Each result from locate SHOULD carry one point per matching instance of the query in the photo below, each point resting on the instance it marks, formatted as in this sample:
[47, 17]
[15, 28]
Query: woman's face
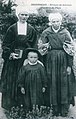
[56, 23]
[23, 17]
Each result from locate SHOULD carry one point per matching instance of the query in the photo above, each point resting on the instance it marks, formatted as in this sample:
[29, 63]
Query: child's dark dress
[33, 79]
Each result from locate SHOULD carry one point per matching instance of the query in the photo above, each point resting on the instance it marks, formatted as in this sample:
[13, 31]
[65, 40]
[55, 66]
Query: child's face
[32, 57]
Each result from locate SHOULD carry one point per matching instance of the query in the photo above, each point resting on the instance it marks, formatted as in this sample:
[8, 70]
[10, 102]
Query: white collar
[32, 63]
[22, 28]
[55, 30]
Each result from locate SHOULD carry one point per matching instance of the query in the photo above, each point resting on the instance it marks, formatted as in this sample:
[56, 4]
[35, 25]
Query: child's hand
[43, 89]
[22, 90]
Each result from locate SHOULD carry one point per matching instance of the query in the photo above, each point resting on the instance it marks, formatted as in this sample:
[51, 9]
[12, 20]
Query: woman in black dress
[19, 36]
[58, 64]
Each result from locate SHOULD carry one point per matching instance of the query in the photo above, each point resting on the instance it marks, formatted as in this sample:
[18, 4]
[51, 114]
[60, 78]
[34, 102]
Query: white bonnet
[55, 16]
[21, 9]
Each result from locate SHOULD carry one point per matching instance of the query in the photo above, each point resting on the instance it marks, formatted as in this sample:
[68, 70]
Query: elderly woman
[19, 36]
[58, 64]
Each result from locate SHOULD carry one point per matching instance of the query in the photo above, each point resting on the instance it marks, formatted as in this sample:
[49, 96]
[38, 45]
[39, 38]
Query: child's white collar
[32, 63]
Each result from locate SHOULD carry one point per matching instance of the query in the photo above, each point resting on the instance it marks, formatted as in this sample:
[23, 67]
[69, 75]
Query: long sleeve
[31, 38]
[7, 44]
[44, 37]
[68, 38]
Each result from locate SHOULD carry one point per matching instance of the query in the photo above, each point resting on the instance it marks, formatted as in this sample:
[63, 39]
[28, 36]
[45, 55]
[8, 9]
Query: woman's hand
[22, 90]
[69, 70]
[13, 56]
[43, 48]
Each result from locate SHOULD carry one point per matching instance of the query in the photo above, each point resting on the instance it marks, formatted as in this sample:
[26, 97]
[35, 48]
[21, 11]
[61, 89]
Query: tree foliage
[40, 21]
[7, 17]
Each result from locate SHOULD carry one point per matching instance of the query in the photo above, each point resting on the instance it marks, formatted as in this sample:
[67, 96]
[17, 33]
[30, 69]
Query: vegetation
[7, 16]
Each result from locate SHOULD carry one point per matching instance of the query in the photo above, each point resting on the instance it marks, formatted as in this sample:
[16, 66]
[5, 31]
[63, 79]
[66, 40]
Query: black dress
[57, 61]
[33, 78]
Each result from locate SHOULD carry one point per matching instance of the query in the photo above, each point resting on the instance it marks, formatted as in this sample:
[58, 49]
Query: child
[32, 80]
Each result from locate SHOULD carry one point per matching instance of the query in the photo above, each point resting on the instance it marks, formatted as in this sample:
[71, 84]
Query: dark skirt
[9, 82]
[60, 83]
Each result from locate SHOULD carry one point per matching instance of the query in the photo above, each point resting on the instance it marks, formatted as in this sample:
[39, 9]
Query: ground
[71, 114]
